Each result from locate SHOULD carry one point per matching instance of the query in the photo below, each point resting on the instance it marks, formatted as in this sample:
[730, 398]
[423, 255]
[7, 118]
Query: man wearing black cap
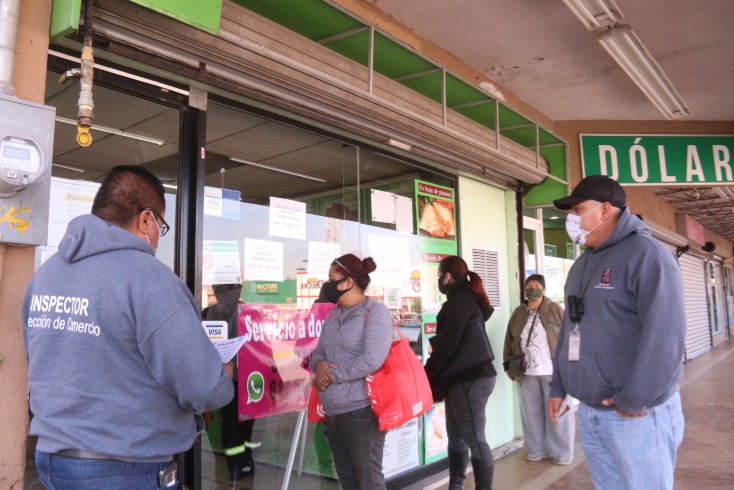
[621, 345]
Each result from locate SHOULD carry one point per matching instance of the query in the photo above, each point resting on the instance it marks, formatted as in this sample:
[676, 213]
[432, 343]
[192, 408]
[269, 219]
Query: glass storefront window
[149, 137]
[151, 140]
[555, 252]
[280, 204]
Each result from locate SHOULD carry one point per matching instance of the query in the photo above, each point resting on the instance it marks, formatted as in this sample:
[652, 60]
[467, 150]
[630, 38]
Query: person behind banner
[120, 374]
[355, 340]
[530, 344]
[467, 391]
[236, 434]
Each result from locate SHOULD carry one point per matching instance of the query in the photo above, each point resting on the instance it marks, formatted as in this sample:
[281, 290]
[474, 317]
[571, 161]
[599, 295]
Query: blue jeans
[632, 453]
[62, 473]
[357, 446]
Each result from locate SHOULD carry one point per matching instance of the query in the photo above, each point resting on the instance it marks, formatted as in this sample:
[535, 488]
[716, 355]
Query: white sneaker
[564, 461]
[535, 457]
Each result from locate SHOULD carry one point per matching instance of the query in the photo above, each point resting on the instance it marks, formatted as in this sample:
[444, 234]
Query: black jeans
[357, 446]
[466, 418]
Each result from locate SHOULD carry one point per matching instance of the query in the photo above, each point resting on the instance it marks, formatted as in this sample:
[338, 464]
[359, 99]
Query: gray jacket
[633, 328]
[358, 349]
[118, 361]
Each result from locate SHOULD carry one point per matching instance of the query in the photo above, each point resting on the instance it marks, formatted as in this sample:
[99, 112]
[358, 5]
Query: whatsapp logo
[255, 387]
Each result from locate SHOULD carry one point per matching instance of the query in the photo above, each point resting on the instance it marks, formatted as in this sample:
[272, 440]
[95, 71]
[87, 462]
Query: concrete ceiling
[542, 53]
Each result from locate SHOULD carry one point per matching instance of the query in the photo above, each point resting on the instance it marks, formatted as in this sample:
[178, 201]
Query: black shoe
[242, 472]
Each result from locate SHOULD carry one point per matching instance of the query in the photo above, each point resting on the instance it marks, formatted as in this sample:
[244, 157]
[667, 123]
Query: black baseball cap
[598, 188]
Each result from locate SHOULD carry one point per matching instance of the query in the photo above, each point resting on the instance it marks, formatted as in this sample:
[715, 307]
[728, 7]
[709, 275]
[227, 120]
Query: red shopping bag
[316, 411]
[399, 390]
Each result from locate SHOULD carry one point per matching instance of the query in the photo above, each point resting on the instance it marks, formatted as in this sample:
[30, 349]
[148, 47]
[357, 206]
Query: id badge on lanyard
[574, 344]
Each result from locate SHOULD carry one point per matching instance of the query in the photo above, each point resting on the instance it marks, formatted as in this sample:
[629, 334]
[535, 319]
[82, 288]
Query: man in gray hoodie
[120, 368]
[620, 349]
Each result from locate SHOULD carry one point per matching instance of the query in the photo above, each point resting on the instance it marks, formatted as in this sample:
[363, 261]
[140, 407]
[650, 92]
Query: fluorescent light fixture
[595, 14]
[118, 132]
[170, 186]
[68, 167]
[399, 144]
[725, 192]
[622, 44]
[275, 169]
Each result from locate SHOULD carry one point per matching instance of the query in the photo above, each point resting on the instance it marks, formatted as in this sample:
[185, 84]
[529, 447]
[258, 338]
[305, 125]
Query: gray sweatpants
[541, 437]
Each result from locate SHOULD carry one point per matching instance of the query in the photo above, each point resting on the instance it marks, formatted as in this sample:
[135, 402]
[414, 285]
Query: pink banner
[274, 372]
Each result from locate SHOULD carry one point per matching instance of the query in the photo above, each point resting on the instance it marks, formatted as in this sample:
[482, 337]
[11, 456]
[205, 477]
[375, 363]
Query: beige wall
[640, 199]
[16, 263]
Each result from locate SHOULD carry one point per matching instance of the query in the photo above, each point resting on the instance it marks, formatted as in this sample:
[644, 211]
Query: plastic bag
[399, 390]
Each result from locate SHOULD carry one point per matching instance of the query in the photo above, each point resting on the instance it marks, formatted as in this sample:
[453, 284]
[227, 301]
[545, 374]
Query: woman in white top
[530, 344]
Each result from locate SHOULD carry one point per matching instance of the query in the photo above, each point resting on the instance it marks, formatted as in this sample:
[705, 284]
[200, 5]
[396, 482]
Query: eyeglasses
[164, 226]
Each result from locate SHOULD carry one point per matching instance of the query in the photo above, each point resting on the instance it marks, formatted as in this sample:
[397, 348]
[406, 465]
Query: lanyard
[581, 294]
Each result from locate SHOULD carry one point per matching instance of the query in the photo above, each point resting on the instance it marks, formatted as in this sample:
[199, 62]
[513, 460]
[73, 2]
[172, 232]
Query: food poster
[402, 448]
[436, 439]
[436, 218]
[274, 372]
[436, 228]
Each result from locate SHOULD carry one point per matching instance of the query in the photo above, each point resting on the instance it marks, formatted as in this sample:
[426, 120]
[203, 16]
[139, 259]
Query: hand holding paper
[228, 348]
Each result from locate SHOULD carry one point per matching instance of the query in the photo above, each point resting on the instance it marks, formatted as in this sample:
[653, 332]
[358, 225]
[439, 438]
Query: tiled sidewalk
[704, 458]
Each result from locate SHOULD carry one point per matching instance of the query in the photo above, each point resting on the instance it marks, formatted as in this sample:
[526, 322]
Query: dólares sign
[659, 160]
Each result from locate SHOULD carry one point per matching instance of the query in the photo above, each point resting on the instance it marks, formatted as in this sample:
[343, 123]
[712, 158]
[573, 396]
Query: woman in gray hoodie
[354, 343]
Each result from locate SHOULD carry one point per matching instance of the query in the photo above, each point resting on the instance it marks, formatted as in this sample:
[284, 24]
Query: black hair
[536, 277]
[357, 269]
[458, 268]
[126, 191]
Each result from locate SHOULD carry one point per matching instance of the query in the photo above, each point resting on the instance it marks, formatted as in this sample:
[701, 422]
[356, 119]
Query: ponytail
[477, 287]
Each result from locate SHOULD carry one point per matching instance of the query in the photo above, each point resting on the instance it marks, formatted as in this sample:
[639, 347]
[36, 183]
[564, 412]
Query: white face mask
[573, 227]
[155, 249]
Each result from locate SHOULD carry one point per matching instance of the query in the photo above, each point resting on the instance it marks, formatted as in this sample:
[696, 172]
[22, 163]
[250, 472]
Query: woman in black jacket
[466, 392]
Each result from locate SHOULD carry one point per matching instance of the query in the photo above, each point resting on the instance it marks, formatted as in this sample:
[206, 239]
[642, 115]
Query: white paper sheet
[383, 206]
[320, 257]
[70, 198]
[228, 348]
[220, 262]
[392, 298]
[404, 214]
[287, 218]
[391, 253]
[263, 260]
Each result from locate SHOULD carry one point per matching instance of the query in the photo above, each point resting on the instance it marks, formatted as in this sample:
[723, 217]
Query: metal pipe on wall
[9, 14]
[85, 116]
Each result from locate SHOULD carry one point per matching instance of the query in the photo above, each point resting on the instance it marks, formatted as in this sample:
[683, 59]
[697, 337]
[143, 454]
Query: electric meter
[20, 165]
[26, 147]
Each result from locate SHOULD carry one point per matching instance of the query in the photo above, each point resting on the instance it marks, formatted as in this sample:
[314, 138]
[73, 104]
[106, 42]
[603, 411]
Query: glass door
[533, 242]
[280, 204]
